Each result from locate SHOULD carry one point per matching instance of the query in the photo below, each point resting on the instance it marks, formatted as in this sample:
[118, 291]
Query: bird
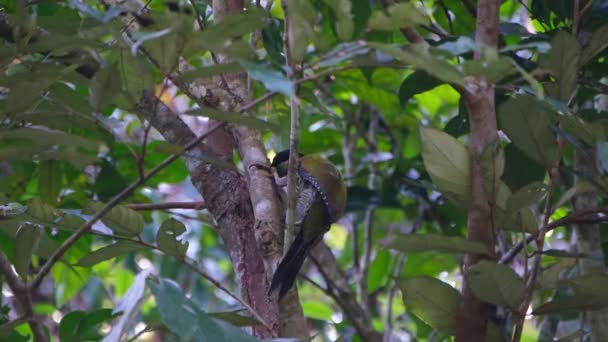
[320, 201]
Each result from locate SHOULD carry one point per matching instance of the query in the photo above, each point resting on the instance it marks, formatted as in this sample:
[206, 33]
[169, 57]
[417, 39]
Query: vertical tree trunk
[478, 95]
[588, 241]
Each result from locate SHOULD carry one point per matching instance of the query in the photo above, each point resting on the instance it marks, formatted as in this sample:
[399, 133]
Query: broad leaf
[344, 18]
[167, 241]
[108, 252]
[526, 121]
[83, 326]
[447, 160]
[26, 240]
[428, 242]
[416, 83]
[496, 284]
[49, 180]
[185, 318]
[395, 17]
[562, 61]
[433, 301]
[105, 87]
[597, 43]
[526, 196]
[272, 79]
[122, 220]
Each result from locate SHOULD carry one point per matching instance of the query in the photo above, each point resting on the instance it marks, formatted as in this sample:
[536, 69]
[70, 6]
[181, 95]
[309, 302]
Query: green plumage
[321, 198]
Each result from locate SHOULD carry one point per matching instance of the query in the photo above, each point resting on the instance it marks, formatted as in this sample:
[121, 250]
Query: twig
[46, 268]
[294, 132]
[196, 205]
[540, 241]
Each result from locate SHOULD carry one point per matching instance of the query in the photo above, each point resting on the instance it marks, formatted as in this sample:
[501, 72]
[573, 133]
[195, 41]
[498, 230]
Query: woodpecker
[320, 201]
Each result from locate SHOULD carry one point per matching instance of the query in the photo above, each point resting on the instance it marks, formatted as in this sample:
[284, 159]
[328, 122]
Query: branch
[197, 205]
[23, 296]
[340, 290]
[478, 95]
[46, 268]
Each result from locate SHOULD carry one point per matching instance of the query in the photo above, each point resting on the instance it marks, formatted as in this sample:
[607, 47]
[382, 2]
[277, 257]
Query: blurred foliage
[71, 139]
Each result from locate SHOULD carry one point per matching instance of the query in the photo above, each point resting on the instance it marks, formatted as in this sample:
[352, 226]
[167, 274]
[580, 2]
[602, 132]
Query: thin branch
[196, 205]
[46, 268]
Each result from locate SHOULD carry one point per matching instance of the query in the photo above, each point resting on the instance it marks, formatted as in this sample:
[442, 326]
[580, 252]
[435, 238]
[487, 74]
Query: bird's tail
[287, 271]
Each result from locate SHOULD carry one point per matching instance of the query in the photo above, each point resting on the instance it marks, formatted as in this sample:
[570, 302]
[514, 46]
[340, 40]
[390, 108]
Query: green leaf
[550, 276]
[185, 318]
[344, 18]
[526, 196]
[241, 119]
[581, 129]
[301, 20]
[526, 121]
[420, 57]
[122, 220]
[589, 294]
[135, 75]
[447, 160]
[597, 43]
[234, 318]
[439, 243]
[210, 71]
[416, 83]
[317, 310]
[396, 17]
[563, 62]
[26, 240]
[41, 213]
[492, 68]
[104, 87]
[496, 284]
[433, 301]
[379, 270]
[272, 79]
[50, 178]
[83, 326]
[108, 252]
[166, 239]
[492, 168]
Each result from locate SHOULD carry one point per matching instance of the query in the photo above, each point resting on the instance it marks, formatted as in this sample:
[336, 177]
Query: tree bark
[478, 95]
[589, 242]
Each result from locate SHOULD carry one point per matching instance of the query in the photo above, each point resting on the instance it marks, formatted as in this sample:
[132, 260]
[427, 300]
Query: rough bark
[479, 99]
[589, 242]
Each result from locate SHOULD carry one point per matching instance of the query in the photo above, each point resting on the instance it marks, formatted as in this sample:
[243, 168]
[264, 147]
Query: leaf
[379, 270]
[41, 213]
[420, 58]
[433, 301]
[166, 239]
[108, 252]
[492, 168]
[563, 62]
[135, 75]
[580, 187]
[26, 240]
[448, 162]
[602, 156]
[342, 52]
[492, 68]
[550, 276]
[344, 18]
[317, 310]
[104, 87]
[395, 17]
[185, 319]
[83, 326]
[234, 318]
[581, 129]
[597, 43]
[122, 220]
[496, 284]
[210, 71]
[129, 305]
[439, 243]
[577, 302]
[526, 196]
[50, 177]
[416, 83]
[526, 121]
[273, 80]
[241, 119]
